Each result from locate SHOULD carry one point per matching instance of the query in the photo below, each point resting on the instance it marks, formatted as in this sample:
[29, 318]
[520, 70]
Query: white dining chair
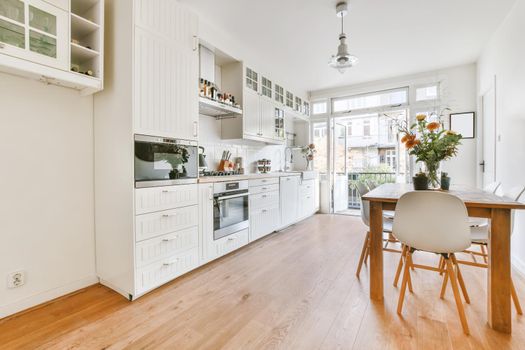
[363, 189]
[419, 225]
[480, 237]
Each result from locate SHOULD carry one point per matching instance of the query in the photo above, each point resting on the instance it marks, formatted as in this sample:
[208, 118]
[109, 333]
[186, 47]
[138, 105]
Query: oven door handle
[232, 196]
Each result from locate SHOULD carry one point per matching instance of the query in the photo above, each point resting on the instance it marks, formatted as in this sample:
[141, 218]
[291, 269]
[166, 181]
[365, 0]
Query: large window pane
[320, 139]
[373, 100]
[427, 93]
[319, 107]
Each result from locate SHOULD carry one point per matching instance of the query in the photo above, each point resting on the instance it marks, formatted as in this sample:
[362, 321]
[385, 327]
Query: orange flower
[433, 126]
[412, 143]
[420, 117]
[408, 137]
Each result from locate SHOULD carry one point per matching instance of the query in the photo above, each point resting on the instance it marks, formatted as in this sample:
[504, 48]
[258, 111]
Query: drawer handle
[168, 215]
[170, 263]
[170, 239]
[264, 211]
[231, 239]
[263, 180]
[264, 196]
[264, 188]
[167, 191]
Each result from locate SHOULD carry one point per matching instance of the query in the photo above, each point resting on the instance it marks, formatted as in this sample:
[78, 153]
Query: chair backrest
[362, 189]
[432, 221]
[371, 184]
[492, 187]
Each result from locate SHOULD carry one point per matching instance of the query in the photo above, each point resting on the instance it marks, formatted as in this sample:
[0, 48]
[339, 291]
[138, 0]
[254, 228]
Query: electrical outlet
[16, 279]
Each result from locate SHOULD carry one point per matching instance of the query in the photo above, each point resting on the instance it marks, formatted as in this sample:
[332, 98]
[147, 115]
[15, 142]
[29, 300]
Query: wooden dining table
[479, 204]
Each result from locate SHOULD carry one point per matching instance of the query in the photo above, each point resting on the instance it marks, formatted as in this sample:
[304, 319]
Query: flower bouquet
[430, 143]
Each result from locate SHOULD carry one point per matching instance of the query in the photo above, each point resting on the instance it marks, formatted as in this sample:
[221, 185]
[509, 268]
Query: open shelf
[216, 109]
[80, 7]
[80, 27]
[80, 53]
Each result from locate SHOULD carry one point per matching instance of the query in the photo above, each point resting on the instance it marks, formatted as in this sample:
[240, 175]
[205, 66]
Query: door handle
[195, 129]
[482, 164]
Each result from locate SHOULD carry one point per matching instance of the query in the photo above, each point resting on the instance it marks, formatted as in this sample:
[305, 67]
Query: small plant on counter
[420, 181]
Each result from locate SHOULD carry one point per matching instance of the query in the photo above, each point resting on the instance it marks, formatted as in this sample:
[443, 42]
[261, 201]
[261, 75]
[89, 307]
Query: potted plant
[445, 181]
[420, 181]
[430, 143]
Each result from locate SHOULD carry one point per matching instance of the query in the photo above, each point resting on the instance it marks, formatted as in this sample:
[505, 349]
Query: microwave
[161, 161]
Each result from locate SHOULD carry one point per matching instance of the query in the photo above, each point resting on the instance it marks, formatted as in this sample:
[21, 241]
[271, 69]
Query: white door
[488, 163]
[251, 113]
[289, 193]
[339, 168]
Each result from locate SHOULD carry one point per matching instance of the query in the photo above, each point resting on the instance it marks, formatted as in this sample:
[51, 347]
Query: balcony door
[339, 167]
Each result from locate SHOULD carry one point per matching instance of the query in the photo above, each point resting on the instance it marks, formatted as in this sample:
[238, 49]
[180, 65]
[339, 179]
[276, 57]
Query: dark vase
[420, 183]
[445, 183]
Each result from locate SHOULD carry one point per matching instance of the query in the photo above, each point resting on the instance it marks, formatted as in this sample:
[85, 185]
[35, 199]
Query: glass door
[12, 26]
[339, 167]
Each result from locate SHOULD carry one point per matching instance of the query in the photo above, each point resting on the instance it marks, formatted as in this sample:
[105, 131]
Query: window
[298, 104]
[306, 108]
[289, 99]
[252, 79]
[366, 128]
[279, 94]
[427, 93]
[349, 128]
[397, 97]
[320, 107]
[390, 158]
[320, 140]
[266, 87]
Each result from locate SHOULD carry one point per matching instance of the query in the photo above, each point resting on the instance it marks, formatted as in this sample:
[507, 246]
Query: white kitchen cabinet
[144, 237]
[289, 194]
[38, 33]
[36, 41]
[306, 199]
[166, 72]
[251, 114]
[205, 220]
[263, 221]
[267, 118]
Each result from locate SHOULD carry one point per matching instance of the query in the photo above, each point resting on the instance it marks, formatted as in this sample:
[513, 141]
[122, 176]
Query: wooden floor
[292, 290]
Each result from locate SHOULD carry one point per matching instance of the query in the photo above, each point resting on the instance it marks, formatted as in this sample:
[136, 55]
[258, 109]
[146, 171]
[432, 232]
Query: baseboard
[519, 266]
[34, 300]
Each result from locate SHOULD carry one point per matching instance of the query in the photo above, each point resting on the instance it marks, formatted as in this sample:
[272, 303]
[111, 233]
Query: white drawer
[157, 248]
[167, 221]
[264, 200]
[307, 188]
[265, 188]
[264, 181]
[227, 244]
[152, 199]
[264, 221]
[162, 271]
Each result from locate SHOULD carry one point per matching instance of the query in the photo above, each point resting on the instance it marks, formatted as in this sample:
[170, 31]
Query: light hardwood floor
[295, 289]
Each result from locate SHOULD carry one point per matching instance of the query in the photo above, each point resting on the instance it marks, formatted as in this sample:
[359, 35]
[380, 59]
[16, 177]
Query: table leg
[499, 278]
[376, 250]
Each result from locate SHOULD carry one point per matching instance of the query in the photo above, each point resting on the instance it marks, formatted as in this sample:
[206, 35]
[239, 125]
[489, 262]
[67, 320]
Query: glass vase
[434, 175]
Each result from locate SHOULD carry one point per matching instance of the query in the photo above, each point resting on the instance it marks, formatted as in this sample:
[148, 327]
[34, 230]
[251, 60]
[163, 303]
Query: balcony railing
[365, 177]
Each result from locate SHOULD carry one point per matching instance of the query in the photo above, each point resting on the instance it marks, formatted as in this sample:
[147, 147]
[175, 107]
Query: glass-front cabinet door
[36, 31]
[266, 87]
[252, 79]
[279, 123]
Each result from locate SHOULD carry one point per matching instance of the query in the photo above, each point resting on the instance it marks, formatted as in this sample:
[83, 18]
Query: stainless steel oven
[161, 161]
[230, 208]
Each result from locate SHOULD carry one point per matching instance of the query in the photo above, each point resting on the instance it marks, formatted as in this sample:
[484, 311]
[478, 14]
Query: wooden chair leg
[515, 298]
[400, 265]
[484, 252]
[363, 253]
[457, 296]
[460, 279]
[444, 285]
[440, 266]
[404, 283]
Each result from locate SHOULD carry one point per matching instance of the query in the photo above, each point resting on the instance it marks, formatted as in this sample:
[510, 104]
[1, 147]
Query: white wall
[503, 58]
[458, 92]
[46, 191]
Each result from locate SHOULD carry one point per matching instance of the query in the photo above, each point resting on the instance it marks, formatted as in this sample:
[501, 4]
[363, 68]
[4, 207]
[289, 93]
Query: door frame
[482, 125]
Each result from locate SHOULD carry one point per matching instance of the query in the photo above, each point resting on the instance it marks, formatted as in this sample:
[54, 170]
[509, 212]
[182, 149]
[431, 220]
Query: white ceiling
[390, 37]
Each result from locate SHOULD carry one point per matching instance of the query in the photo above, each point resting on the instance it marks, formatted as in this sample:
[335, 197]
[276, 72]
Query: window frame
[381, 108]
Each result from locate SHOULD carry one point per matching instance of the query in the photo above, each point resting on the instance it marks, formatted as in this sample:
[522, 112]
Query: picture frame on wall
[464, 124]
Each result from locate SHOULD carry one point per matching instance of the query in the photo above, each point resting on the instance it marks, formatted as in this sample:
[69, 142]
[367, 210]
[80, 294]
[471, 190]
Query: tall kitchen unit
[152, 89]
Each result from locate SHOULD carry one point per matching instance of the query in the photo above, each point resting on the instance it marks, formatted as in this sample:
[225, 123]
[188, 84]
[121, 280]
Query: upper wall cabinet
[166, 70]
[56, 41]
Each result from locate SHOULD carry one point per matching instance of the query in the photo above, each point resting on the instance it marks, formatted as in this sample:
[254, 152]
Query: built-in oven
[230, 208]
[161, 161]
